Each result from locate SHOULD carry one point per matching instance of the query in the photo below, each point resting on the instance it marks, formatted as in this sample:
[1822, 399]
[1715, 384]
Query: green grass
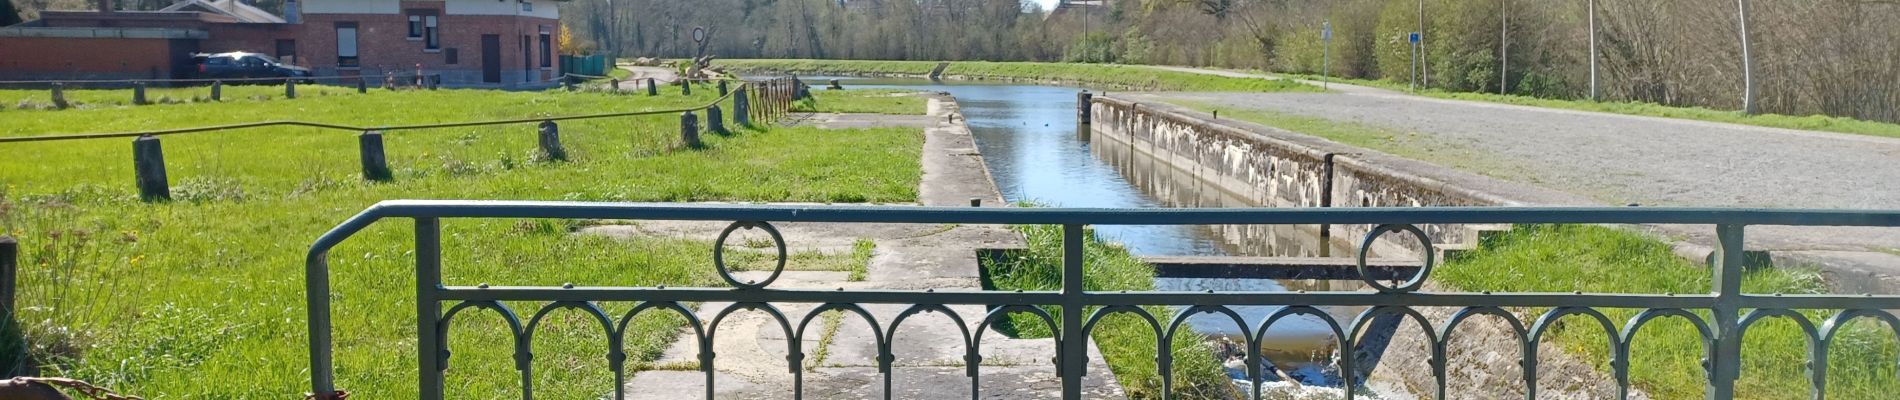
[1127, 342]
[202, 297]
[24, 100]
[1666, 355]
[1821, 123]
[1117, 76]
[871, 101]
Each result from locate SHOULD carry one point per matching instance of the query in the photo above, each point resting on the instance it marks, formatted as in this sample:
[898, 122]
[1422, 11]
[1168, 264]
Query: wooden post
[653, 89]
[1083, 109]
[9, 274]
[59, 96]
[217, 90]
[290, 88]
[148, 161]
[375, 164]
[362, 85]
[138, 93]
[550, 138]
[715, 120]
[741, 110]
[689, 130]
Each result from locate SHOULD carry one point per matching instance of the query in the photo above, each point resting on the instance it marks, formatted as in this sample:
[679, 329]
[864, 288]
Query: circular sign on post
[699, 34]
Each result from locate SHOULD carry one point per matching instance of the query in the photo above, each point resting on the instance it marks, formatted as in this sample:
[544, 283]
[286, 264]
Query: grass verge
[1127, 342]
[1666, 355]
[867, 101]
[202, 297]
[1111, 75]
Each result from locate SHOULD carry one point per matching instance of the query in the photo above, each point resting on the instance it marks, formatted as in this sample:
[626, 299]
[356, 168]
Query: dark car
[238, 65]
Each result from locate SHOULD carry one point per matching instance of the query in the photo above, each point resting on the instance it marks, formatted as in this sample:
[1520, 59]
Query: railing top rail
[387, 128]
[209, 80]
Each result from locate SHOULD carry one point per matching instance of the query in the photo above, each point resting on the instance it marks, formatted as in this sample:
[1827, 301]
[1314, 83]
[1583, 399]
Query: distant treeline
[1834, 57]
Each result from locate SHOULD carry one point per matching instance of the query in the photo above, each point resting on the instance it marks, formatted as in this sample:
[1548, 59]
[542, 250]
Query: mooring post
[59, 96]
[290, 88]
[689, 130]
[1083, 112]
[138, 93]
[741, 110]
[148, 162]
[722, 88]
[653, 88]
[715, 120]
[217, 90]
[9, 273]
[375, 164]
[362, 85]
[550, 139]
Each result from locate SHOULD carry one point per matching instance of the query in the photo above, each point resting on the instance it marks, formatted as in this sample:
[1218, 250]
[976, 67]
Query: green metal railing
[1730, 311]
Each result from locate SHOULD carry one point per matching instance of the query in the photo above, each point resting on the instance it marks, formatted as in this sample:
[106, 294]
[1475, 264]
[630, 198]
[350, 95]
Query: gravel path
[1621, 159]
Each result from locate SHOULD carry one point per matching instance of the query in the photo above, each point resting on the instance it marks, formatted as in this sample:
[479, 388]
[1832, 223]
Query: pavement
[638, 79]
[1651, 161]
[840, 357]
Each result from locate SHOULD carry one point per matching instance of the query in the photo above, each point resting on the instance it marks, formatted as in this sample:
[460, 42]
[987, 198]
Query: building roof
[231, 8]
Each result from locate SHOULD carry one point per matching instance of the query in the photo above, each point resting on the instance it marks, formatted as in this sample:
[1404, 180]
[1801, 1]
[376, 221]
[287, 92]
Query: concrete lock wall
[1278, 168]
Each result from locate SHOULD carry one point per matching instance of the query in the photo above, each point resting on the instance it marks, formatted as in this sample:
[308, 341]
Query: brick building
[484, 43]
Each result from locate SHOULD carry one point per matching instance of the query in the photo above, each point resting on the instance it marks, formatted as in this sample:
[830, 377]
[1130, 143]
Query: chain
[87, 389]
[337, 395]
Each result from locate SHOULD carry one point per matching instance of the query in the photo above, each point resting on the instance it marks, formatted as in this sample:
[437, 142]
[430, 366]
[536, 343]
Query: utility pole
[1419, 57]
[1748, 64]
[1595, 93]
[1504, 46]
[1326, 55]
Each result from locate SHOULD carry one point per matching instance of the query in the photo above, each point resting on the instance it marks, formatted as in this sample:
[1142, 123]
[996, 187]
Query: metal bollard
[615, 85]
[722, 89]
[9, 274]
[138, 93]
[567, 84]
[652, 88]
[362, 85]
[689, 130]
[375, 164]
[217, 90]
[835, 85]
[148, 162]
[686, 87]
[741, 108]
[290, 88]
[715, 120]
[59, 96]
[550, 139]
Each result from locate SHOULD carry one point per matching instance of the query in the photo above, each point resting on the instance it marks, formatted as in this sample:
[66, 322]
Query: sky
[1046, 4]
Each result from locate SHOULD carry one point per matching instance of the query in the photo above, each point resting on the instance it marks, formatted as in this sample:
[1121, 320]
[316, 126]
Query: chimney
[105, 6]
[293, 11]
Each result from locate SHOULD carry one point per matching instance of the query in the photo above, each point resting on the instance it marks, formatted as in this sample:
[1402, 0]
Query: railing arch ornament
[1426, 250]
[725, 272]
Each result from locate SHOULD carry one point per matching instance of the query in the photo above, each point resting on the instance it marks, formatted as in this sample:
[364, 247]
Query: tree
[9, 15]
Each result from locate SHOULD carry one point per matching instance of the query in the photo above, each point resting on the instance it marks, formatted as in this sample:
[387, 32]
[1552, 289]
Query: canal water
[1037, 153]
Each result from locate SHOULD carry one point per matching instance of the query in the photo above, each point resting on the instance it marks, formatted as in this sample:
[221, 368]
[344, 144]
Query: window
[346, 56]
[547, 49]
[415, 27]
[432, 35]
[287, 51]
[527, 6]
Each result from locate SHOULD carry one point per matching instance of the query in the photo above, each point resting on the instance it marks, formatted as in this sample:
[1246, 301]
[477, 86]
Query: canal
[1037, 153]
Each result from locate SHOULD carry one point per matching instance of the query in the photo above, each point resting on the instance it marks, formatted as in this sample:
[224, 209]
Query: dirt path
[1622, 159]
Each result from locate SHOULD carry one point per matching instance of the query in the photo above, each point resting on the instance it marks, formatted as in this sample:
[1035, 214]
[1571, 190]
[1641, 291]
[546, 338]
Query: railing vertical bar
[428, 308]
[1074, 346]
[1725, 363]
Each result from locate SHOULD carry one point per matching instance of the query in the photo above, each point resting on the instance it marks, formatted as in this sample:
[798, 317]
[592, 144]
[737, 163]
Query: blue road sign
[1414, 37]
[1326, 31]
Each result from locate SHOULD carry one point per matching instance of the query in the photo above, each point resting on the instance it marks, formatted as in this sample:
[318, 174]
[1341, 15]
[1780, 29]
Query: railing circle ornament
[1411, 285]
[719, 254]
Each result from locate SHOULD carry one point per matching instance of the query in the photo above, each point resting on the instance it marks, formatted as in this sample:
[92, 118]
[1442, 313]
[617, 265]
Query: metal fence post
[138, 93]
[689, 130]
[290, 88]
[1073, 349]
[9, 273]
[550, 139]
[653, 89]
[740, 109]
[148, 162]
[375, 164]
[715, 120]
[428, 308]
[1725, 364]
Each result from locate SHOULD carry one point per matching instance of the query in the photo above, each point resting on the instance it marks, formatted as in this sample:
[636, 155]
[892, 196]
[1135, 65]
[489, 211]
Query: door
[491, 58]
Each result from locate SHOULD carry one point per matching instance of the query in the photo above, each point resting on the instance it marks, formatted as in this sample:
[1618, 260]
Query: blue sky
[1047, 4]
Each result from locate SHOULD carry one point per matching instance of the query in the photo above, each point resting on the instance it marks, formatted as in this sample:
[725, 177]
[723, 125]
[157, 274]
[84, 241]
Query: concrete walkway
[638, 78]
[751, 348]
[1623, 159]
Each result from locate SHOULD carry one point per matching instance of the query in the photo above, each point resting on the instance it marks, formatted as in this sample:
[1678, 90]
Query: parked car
[237, 65]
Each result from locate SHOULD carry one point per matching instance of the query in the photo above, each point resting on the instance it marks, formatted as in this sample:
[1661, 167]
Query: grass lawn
[202, 297]
[1667, 353]
[1119, 76]
[1126, 341]
[1821, 123]
[23, 100]
[870, 101]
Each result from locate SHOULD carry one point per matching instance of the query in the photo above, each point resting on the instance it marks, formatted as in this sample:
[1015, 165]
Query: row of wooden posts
[774, 99]
[431, 82]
